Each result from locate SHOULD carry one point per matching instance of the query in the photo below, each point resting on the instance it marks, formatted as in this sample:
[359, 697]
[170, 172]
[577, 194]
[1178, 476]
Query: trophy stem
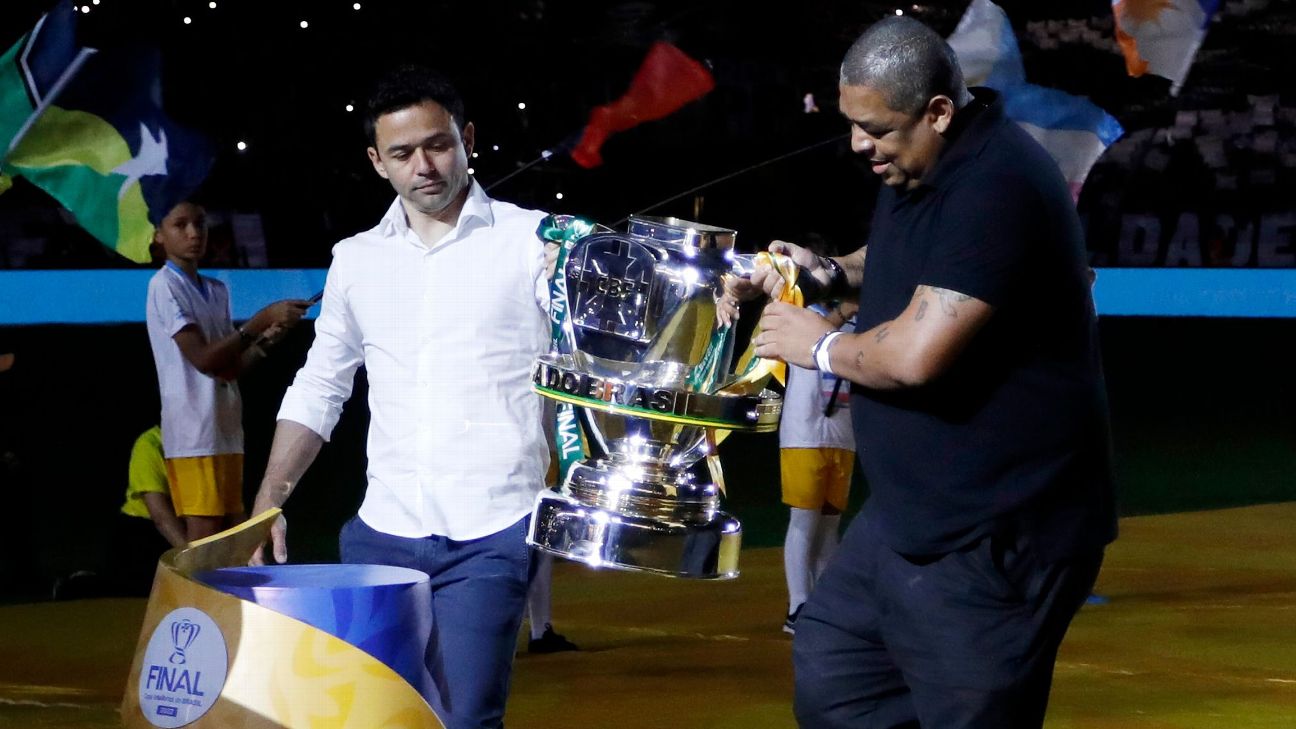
[667, 525]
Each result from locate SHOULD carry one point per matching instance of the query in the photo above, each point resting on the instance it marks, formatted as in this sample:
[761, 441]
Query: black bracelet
[813, 291]
[246, 338]
[837, 281]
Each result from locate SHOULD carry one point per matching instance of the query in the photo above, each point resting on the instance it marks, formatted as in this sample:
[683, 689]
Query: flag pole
[731, 175]
[45, 102]
[549, 153]
[543, 156]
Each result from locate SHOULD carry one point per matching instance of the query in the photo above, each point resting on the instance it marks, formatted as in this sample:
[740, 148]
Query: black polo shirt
[1015, 435]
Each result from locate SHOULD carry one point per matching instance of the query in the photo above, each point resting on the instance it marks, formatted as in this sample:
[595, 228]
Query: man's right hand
[278, 544]
[291, 453]
[765, 280]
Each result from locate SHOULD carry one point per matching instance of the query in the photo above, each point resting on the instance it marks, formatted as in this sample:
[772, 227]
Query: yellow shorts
[815, 476]
[206, 485]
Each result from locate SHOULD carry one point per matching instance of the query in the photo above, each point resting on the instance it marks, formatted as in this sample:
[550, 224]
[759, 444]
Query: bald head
[906, 62]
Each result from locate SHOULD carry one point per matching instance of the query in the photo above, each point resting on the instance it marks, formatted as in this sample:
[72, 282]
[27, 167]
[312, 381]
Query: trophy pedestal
[599, 537]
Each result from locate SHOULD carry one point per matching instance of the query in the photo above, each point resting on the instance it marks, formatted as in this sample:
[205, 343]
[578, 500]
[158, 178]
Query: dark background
[245, 71]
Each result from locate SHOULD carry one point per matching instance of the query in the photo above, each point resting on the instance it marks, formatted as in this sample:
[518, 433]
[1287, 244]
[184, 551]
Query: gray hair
[906, 62]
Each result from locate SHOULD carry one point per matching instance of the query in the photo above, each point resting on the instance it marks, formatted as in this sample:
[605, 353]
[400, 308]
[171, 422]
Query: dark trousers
[479, 590]
[965, 639]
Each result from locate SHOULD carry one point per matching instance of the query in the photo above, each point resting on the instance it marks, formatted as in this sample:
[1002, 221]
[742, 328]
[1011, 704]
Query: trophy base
[601, 538]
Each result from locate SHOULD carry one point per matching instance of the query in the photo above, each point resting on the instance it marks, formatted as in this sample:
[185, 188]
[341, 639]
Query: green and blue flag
[86, 126]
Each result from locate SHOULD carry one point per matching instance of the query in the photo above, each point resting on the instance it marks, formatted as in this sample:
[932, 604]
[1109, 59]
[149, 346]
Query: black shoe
[789, 624]
[550, 642]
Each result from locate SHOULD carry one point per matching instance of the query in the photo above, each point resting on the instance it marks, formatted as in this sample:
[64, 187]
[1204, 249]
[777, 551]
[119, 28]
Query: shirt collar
[476, 210]
[968, 133]
[201, 285]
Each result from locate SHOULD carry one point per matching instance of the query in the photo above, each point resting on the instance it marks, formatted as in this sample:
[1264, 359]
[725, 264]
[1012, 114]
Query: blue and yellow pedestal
[207, 658]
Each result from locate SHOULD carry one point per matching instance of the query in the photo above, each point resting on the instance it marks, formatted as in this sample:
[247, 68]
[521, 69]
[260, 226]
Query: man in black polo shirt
[979, 409]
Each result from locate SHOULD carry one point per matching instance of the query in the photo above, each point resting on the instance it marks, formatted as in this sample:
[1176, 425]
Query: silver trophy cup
[646, 363]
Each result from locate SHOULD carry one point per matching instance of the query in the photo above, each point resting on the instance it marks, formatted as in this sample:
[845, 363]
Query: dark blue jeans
[965, 639]
[479, 590]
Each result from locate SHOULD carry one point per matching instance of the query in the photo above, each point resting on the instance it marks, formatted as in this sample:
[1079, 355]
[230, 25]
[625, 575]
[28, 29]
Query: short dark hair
[905, 61]
[406, 86]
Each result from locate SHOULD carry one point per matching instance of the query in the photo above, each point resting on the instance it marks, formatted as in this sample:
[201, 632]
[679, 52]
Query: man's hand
[727, 304]
[265, 500]
[768, 281]
[788, 332]
[291, 453]
[278, 543]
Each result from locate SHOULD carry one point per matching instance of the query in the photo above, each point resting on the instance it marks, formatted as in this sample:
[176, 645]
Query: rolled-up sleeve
[324, 383]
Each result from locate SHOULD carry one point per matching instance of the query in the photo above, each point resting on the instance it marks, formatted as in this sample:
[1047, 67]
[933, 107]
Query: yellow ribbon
[755, 379]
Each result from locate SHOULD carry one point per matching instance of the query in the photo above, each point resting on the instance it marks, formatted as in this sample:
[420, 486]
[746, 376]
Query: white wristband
[821, 350]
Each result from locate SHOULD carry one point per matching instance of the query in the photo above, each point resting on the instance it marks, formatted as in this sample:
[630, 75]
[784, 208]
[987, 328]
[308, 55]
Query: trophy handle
[743, 264]
[754, 372]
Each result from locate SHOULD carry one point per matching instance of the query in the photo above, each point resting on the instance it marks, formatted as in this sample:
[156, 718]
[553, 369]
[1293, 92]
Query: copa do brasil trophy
[641, 359]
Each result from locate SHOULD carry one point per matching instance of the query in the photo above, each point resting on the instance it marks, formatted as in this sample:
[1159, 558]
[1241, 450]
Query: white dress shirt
[448, 335]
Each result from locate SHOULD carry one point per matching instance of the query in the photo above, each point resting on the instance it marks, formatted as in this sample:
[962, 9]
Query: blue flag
[1073, 130]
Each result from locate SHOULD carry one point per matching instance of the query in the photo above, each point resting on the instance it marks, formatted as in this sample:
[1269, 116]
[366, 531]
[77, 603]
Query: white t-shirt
[803, 424]
[448, 335]
[201, 415]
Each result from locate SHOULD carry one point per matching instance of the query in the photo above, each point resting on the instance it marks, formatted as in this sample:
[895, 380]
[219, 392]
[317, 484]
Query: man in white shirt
[445, 304]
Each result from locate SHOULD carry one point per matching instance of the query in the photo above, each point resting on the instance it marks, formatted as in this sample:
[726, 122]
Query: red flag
[667, 80]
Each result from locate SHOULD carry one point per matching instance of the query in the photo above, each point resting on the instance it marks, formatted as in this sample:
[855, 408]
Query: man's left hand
[788, 332]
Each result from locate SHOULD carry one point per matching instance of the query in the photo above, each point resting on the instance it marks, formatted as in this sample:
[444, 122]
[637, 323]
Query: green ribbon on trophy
[565, 230]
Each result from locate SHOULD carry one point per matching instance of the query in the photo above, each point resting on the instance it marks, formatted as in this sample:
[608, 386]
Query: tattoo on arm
[882, 333]
[922, 310]
[949, 300]
[853, 265]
